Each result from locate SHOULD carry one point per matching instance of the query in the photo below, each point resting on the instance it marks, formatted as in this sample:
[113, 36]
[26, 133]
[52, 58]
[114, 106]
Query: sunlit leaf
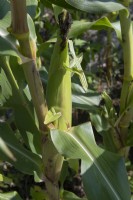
[103, 173]
[98, 6]
[79, 27]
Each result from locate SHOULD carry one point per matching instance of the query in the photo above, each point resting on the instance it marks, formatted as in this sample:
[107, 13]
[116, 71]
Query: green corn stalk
[126, 101]
[19, 29]
[59, 100]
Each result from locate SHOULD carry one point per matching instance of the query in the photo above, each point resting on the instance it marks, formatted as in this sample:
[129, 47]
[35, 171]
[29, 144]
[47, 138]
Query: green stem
[127, 39]
[125, 100]
[51, 158]
[27, 47]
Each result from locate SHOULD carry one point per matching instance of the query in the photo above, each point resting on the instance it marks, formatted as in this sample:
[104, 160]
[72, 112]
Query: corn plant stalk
[19, 29]
[126, 101]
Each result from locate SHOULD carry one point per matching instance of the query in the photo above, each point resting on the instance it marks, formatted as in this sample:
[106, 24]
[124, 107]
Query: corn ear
[59, 103]
[59, 85]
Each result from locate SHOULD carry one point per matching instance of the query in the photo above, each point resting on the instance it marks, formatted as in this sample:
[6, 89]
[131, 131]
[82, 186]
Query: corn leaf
[103, 173]
[23, 159]
[97, 6]
[79, 27]
[88, 100]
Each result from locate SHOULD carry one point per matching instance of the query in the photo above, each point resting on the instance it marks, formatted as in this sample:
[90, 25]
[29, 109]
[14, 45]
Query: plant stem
[52, 160]
[125, 101]
[20, 30]
[127, 39]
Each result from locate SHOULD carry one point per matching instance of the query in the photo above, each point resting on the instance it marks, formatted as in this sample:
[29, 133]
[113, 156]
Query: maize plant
[37, 135]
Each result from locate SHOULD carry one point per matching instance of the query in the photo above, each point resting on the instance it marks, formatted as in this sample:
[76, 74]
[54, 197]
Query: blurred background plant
[103, 67]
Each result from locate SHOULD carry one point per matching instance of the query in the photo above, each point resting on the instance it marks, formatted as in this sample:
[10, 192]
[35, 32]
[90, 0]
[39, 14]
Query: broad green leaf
[103, 173]
[79, 27]
[10, 196]
[97, 6]
[84, 100]
[25, 161]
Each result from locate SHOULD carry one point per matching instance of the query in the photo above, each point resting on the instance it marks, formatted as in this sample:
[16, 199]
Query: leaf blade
[98, 6]
[79, 142]
[31, 162]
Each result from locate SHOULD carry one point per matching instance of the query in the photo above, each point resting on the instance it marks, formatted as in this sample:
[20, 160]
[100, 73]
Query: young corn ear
[59, 100]
[59, 81]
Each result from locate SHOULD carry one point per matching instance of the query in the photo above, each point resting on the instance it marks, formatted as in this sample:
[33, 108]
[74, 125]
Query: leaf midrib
[90, 154]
